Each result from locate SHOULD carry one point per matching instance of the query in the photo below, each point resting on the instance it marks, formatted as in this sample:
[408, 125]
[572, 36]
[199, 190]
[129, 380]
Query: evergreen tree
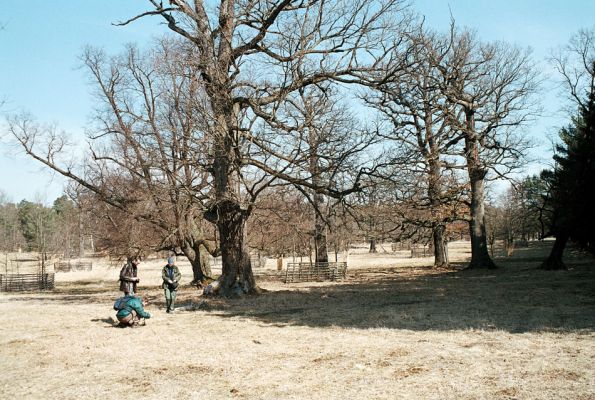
[37, 223]
[573, 181]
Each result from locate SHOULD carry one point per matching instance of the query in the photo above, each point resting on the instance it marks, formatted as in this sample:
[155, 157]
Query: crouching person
[130, 311]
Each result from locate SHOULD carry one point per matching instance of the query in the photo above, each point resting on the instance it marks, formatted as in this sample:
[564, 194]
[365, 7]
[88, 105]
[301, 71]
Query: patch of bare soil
[395, 331]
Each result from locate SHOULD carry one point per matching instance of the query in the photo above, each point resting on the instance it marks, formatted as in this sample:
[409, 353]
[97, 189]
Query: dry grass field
[394, 329]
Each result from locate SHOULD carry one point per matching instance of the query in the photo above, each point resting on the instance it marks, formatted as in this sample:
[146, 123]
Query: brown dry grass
[389, 332]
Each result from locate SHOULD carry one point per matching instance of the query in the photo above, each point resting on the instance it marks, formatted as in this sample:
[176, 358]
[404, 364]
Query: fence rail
[26, 282]
[417, 252]
[67, 266]
[305, 271]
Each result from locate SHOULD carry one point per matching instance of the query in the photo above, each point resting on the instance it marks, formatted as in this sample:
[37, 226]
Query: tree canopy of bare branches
[424, 146]
[299, 43]
[493, 87]
[186, 127]
[146, 154]
[453, 103]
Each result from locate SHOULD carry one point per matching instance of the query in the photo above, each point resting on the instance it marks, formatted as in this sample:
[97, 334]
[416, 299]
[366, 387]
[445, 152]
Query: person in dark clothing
[171, 277]
[130, 311]
[128, 276]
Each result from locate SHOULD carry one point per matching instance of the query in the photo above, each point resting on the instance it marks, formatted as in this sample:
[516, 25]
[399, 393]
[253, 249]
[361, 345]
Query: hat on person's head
[170, 260]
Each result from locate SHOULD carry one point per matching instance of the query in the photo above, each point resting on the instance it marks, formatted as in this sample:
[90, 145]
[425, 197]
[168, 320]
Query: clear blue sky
[41, 42]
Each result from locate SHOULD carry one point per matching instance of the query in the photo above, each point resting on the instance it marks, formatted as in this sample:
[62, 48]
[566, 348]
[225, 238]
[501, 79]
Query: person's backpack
[120, 304]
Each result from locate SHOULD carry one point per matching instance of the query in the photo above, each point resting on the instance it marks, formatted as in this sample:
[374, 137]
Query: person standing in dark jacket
[171, 277]
[128, 276]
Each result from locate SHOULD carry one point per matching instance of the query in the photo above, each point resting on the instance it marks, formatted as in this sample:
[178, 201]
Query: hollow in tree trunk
[554, 260]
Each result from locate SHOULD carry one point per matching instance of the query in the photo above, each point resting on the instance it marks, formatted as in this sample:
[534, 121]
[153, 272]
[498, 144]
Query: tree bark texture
[439, 228]
[480, 257]
[373, 246]
[440, 247]
[227, 213]
[81, 235]
[199, 259]
[237, 277]
[320, 242]
[554, 260]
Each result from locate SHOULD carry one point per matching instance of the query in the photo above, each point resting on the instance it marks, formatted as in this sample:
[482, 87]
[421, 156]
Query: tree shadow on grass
[76, 296]
[516, 298]
[82, 293]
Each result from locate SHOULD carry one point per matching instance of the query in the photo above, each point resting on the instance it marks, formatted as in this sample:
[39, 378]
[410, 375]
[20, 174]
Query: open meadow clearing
[354, 199]
[396, 331]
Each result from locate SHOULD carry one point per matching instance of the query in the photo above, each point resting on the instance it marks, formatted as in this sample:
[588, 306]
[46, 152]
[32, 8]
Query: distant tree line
[32, 226]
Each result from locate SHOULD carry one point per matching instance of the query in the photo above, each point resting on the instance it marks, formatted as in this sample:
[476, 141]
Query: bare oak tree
[147, 127]
[423, 163]
[253, 56]
[332, 147]
[492, 87]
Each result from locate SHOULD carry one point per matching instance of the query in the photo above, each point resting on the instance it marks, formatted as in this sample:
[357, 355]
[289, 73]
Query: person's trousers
[130, 319]
[170, 298]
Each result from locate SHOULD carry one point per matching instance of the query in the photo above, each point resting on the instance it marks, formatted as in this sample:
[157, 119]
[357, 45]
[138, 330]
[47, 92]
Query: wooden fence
[67, 266]
[26, 282]
[421, 251]
[305, 271]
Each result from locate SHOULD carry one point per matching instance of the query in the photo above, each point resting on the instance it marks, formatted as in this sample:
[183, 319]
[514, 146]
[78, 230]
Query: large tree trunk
[554, 260]
[198, 256]
[320, 242]
[81, 234]
[372, 246]
[434, 195]
[440, 247]
[480, 257]
[226, 212]
[237, 277]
